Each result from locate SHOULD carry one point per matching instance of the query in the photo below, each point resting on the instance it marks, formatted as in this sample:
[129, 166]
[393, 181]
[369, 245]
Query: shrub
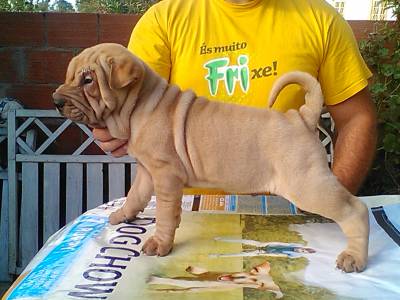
[381, 52]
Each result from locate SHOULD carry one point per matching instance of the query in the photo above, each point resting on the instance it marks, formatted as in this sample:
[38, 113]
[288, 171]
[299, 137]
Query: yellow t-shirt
[233, 53]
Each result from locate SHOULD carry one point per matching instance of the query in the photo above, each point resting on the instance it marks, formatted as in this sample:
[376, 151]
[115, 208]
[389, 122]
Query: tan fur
[181, 140]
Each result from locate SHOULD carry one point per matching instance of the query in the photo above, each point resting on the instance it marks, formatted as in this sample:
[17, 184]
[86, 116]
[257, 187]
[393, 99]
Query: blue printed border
[41, 279]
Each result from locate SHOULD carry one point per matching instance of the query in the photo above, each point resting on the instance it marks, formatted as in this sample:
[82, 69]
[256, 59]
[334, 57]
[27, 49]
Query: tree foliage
[381, 51]
[62, 6]
[25, 5]
[5, 5]
[114, 6]
[86, 6]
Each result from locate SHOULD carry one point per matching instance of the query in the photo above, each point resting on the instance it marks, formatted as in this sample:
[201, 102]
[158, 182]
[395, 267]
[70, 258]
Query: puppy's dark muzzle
[58, 100]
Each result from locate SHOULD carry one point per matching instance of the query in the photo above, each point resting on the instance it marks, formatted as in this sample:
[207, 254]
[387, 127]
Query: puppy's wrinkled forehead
[92, 58]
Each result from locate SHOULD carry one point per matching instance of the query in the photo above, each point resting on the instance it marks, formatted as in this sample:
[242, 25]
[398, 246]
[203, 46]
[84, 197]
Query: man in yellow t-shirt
[233, 50]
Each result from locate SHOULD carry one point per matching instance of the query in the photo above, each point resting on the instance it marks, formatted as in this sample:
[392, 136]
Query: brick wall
[35, 48]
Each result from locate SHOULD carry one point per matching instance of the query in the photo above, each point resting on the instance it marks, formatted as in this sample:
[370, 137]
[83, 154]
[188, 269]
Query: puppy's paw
[154, 246]
[119, 216]
[349, 262]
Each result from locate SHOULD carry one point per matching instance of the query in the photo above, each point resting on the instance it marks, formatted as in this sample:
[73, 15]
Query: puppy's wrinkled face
[80, 100]
[97, 84]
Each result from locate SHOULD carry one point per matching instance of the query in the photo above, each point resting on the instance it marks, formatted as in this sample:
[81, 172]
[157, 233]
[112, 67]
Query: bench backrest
[47, 190]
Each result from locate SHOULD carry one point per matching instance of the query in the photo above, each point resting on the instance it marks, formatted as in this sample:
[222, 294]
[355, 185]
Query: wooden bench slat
[74, 191]
[4, 276]
[12, 193]
[29, 212]
[94, 177]
[51, 199]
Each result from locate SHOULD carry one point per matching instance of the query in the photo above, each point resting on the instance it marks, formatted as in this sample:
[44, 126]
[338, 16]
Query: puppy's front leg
[137, 199]
[169, 191]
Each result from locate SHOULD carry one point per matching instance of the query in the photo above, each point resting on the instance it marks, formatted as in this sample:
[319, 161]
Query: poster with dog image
[215, 256]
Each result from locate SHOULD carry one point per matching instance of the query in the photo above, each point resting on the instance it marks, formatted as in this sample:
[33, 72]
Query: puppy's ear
[124, 71]
[71, 70]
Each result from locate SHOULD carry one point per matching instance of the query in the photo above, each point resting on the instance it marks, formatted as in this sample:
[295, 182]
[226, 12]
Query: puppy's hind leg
[327, 197]
[137, 199]
[355, 226]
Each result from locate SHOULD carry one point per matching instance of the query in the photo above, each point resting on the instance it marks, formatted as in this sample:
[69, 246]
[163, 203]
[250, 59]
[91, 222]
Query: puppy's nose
[58, 101]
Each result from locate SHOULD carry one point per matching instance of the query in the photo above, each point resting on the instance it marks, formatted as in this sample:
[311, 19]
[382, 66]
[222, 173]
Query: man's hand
[355, 139]
[117, 147]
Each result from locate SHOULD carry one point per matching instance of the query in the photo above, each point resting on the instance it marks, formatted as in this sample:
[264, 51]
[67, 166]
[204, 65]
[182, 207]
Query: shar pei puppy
[181, 140]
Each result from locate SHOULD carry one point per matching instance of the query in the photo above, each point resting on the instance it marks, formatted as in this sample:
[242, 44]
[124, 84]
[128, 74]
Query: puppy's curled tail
[314, 99]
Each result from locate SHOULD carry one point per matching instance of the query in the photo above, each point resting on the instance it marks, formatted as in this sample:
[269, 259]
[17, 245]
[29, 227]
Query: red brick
[36, 96]
[116, 28]
[361, 29]
[47, 65]
[71, 30]
[22, 29]
[8, 65]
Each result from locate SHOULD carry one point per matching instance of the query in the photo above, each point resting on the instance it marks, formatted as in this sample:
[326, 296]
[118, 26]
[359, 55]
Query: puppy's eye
[87, 80]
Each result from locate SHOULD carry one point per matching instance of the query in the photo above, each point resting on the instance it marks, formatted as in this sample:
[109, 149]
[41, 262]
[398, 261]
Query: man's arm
[355, 139]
